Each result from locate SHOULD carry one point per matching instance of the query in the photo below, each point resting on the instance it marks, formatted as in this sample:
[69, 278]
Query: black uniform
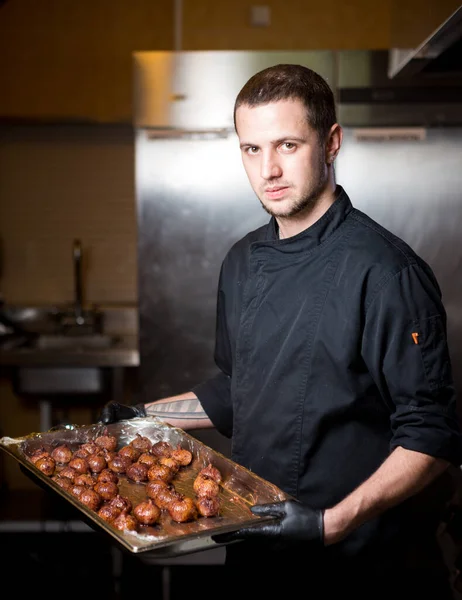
[332, 352]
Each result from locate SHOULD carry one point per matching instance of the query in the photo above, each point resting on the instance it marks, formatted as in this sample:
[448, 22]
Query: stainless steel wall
[194, 202]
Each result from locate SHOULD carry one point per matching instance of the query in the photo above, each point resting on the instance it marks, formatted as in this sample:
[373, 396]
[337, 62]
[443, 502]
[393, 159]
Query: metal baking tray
[240, 488]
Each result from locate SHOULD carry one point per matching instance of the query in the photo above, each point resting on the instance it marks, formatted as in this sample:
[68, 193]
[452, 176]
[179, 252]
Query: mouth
[275, 192]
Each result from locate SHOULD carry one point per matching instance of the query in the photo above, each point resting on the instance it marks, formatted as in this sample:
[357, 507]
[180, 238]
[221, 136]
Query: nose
[270, 168]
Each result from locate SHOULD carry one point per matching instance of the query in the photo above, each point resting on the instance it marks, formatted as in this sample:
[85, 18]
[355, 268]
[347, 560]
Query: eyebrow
[285, 138]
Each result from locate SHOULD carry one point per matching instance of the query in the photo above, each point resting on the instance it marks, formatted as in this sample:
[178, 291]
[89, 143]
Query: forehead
[285, 116]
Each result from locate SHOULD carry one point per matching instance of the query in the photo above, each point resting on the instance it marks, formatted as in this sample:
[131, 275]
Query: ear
[333, 143]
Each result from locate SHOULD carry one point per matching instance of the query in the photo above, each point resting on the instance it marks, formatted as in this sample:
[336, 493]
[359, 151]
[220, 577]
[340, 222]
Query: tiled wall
[61, 182]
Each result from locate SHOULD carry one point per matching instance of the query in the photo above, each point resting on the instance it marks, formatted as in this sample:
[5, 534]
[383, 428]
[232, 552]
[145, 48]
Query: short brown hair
[292, 82]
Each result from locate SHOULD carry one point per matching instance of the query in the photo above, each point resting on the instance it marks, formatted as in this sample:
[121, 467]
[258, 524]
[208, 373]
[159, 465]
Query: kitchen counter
[123, 353]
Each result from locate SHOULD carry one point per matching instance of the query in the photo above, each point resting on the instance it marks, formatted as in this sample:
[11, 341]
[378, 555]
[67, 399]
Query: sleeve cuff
[215, 398]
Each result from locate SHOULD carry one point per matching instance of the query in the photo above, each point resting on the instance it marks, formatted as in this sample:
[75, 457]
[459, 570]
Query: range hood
[368, 97]
[438, 55]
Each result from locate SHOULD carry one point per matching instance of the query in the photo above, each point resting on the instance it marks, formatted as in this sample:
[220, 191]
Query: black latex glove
[113, 412]
[297, 523]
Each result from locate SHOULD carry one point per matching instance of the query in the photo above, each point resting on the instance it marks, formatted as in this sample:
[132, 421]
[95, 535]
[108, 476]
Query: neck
[291, 226]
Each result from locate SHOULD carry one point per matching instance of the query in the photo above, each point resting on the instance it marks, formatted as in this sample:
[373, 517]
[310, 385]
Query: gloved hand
[297, 523]
[113, 412]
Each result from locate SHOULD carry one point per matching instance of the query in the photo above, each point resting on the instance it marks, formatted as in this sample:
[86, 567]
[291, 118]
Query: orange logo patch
[415, 337]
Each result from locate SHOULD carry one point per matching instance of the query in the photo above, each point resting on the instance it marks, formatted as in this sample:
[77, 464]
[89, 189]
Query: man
[334, 376]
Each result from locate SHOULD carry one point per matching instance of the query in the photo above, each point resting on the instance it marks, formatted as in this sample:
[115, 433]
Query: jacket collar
[316, 233]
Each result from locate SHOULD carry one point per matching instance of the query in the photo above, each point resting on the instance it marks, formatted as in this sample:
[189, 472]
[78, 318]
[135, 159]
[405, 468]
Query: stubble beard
[304, 204]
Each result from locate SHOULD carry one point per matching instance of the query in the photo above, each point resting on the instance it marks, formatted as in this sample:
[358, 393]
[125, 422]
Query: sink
[49, 337]
[30, 319]
[55, 322]
[75, 342]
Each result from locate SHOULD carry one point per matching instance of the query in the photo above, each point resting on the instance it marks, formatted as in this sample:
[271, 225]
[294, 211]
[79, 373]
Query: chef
[333, 375]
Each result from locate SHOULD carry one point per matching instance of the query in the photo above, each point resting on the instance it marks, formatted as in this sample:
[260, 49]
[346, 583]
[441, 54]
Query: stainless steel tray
[240, 488]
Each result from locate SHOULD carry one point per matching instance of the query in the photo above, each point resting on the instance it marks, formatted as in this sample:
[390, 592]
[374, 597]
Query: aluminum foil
[240, 488]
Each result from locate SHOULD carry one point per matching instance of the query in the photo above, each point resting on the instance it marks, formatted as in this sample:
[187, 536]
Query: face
[282, 156]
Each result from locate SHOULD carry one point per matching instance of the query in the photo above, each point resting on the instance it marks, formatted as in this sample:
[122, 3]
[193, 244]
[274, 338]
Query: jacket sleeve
[215, 393]
[406, 351]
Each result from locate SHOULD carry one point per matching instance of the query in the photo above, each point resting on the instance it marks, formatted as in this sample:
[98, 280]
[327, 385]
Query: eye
[288, 146]
[251, 150]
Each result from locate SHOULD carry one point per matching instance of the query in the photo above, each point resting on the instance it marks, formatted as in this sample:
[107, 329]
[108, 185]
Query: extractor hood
[368, 97]
[440, 54]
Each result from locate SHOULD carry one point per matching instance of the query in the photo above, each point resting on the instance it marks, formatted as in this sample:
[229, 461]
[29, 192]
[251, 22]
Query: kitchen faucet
[78, 298]
[79, 321]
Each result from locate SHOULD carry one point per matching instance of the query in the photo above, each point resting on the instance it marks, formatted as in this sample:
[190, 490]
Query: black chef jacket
[332, 352]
